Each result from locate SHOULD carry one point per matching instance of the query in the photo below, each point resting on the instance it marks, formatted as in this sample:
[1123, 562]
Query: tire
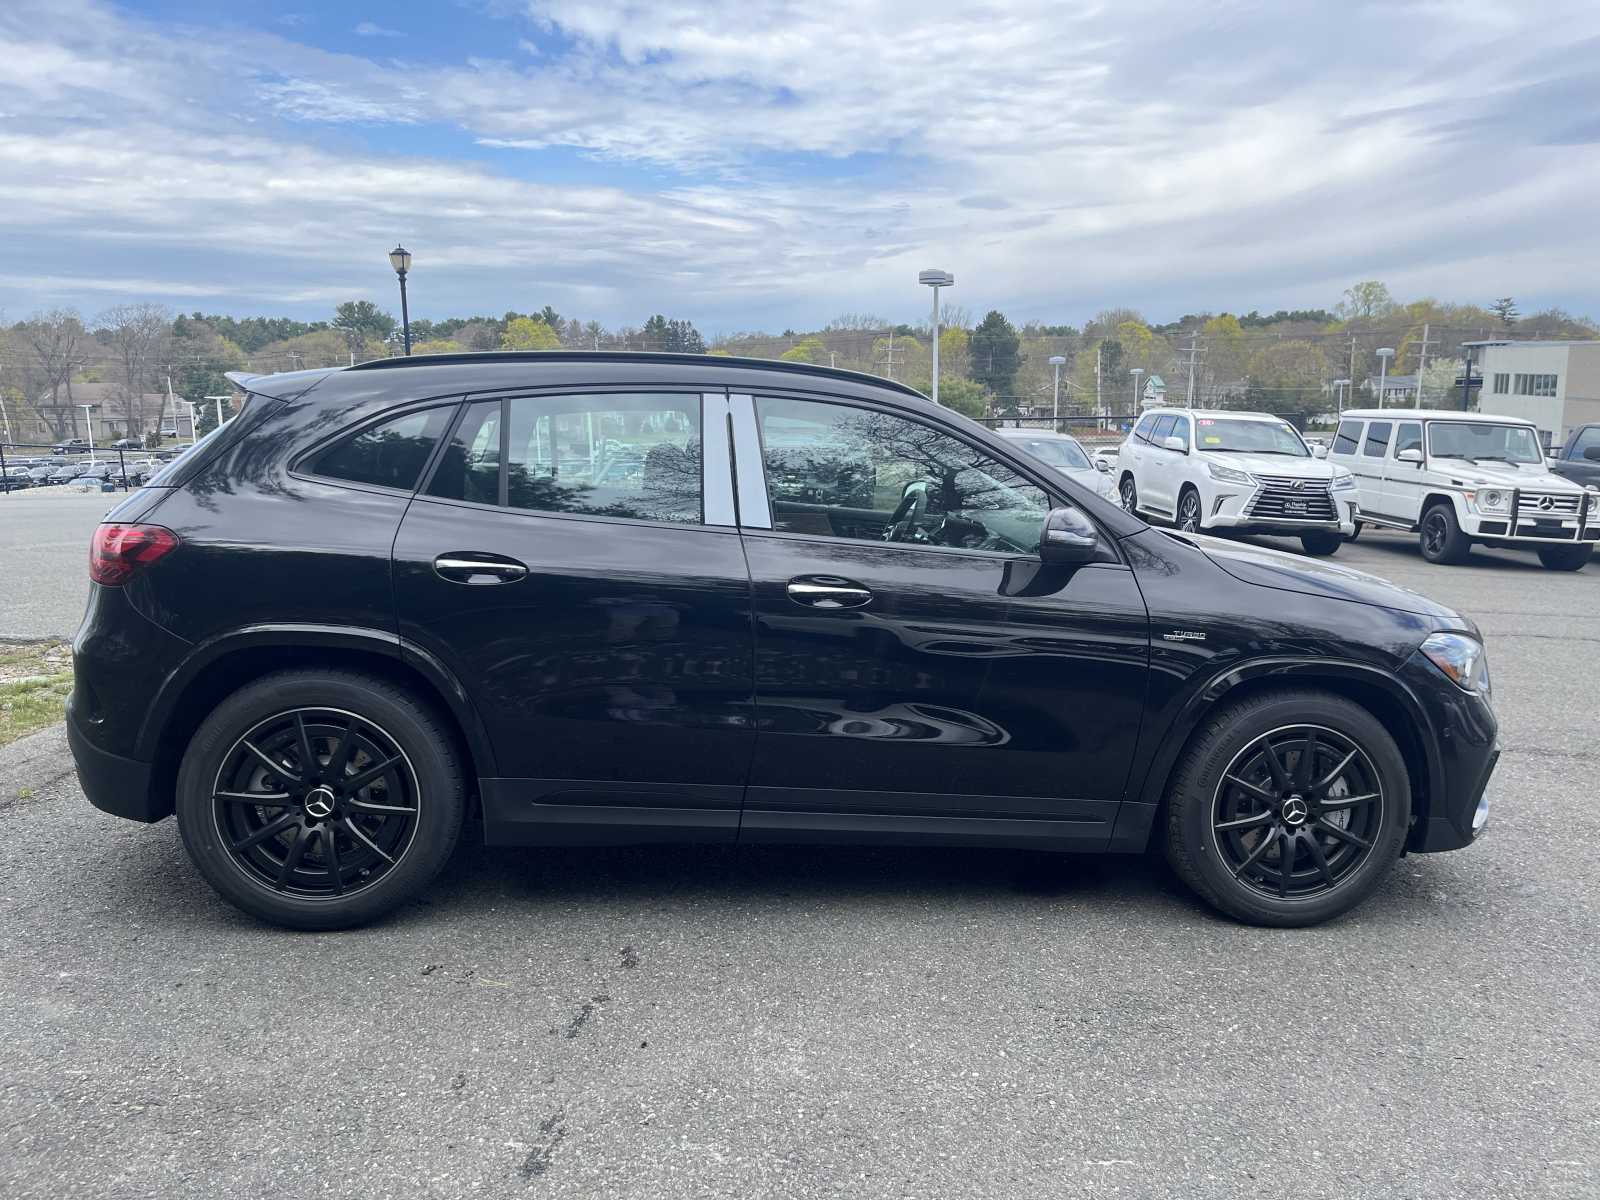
[1188, 512]
[1320, 544]
[377, 845]
[1369, 802]
[1440, 537]
[1356, 532]
[1565, 558]
[1128, 494]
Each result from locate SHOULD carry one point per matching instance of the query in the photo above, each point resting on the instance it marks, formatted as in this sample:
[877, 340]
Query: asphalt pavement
[44, 559]
[683, 1022]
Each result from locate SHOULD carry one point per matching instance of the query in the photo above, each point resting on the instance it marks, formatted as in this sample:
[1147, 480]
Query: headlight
[1594, 504]
[1344, 482]
[1493, 500]
[1460, 657]
[1224, 474]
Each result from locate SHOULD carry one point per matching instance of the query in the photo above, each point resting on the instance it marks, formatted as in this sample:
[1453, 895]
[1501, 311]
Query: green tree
[362, 321]
[437, 346]
[808, 350]
[1287, 377]
[526, 333]
[996, 352]
[965, 396]
[1366, 301]
[1506, 309]
[675, 336]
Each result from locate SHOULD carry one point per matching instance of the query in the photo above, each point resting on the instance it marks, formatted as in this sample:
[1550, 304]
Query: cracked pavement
[796, 1022]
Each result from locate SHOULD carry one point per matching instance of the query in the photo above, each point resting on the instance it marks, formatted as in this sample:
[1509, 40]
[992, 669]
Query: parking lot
[665, 1022]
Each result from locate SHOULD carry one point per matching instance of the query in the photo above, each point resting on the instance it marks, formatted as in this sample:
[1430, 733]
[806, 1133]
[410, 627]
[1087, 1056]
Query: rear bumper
[113, 784]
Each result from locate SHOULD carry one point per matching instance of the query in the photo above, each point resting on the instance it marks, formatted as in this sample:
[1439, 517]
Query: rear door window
[1348, 438]
[1377, 443]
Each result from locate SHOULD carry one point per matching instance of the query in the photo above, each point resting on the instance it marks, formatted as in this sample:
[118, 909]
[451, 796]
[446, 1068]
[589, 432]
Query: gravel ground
[677, 1022]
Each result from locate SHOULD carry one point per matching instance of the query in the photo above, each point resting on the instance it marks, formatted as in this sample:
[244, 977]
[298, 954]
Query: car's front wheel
[1128, 493]
[1320, 544]
[320, 799]
[1189, 510]
[1565, 558]
[1440, 537]
[1288, 808]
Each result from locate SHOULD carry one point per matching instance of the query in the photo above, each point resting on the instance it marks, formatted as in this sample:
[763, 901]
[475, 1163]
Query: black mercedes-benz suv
[645, 598]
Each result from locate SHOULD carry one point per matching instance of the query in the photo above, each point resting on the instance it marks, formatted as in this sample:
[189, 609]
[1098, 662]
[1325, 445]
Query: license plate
[1298, 507]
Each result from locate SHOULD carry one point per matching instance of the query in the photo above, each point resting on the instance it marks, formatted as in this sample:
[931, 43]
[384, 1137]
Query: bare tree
[137, 335]
[52, 341]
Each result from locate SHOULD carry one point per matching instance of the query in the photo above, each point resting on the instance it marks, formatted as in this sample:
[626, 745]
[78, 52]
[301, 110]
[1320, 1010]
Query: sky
[762, 164]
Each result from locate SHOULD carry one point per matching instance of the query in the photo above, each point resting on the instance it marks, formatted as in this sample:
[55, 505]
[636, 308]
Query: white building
[1556, 385]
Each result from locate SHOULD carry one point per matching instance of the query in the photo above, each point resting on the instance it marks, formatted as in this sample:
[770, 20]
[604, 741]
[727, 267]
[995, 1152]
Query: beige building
[114, 416]
[1556, 385]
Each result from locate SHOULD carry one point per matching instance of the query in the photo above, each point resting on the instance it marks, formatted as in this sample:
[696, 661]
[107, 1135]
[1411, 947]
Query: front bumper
[1231, 510]
[1465, 750]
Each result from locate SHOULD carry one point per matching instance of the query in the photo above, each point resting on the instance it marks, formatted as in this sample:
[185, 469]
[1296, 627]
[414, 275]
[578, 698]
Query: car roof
[1012, 431]
[1226, 414]
[1428, 414]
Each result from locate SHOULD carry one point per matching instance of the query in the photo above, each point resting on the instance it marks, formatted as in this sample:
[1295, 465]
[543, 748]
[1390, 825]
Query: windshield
[1474, 440]
[1058, 452]
[1249, 437]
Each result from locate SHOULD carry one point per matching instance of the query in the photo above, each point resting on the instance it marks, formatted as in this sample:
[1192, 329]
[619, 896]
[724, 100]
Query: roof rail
[660, 356]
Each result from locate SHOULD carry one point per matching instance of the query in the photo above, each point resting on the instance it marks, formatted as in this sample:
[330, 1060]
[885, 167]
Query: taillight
[118, 551]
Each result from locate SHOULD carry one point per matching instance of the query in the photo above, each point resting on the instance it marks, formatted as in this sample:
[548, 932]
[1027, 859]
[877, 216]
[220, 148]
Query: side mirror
[1319, 451]
[1068, 537]
[1102, 465]
[1174, 442]
[1410, 454]
[1592, 454]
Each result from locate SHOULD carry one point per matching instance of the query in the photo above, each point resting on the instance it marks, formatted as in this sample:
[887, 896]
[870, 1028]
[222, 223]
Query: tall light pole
[1339, 390]
[936, 279]
[88, 420]
[1136, 372]
[1385, 353]
[219, 400]
[400, 260]
[1057, 361]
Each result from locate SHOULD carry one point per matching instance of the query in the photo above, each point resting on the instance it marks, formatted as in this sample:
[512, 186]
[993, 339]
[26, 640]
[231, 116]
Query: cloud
[767, 160]
[370, 29]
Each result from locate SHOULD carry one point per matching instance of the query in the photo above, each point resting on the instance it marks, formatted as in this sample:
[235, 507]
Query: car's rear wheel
[1189, 510]
[1440, 537]
[1320, 544]
[1288, 808]
[320, 799]
[1565, 558]
[1128, 493]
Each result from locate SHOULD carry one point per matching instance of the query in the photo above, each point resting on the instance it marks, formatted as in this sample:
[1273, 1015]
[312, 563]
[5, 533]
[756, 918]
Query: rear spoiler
[286, 385]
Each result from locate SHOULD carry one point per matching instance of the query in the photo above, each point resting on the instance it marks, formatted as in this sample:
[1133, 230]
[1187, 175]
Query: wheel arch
[227, 662]
[1380, 693]
[1429, 499]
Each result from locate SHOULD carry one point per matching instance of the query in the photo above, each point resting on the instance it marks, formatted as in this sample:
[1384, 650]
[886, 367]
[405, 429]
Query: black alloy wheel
[1189, 511]
[1440, 537]
[321, 799]
[316, 803]
[1297, 812]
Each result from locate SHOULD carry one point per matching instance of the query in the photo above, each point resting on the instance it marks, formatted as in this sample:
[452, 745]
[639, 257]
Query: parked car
[40, 475]
[72, 446]
[67, 473]
[1063, 453]
[1579, 457]
[584, 590]
[129, 443]
[15, 480]
[1456, 478]
[1207, 471]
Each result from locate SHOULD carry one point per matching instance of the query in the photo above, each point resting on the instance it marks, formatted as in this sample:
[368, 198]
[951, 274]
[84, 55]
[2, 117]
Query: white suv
[1208, 471]
[1456, 478]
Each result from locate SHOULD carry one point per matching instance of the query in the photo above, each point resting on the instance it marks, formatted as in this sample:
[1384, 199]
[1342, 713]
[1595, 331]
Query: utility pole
[1352, 374]
[1099, 404]
[890, 354]
[1422, 360]
[1194, 354]
[5, 417]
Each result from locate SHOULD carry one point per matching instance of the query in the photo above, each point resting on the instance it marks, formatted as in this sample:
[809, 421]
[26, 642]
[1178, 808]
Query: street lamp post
[219, 400]
[400, 260]
[88, 420]
[1057, 361]
[936, 279]
[1385, 353]
[1136, 372]
[1340, 389]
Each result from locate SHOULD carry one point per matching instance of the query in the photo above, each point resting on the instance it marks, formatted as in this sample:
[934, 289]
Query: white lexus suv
[1208, 471]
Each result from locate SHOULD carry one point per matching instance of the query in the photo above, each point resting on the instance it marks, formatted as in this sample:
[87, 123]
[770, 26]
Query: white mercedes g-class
[1209, 471]
[1456, 478]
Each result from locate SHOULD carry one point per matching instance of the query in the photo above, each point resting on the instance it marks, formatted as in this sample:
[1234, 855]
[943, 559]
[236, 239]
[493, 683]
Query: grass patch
[34, 682]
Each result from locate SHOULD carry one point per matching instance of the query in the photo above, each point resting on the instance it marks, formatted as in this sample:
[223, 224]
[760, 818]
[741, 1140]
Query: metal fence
[111, 468]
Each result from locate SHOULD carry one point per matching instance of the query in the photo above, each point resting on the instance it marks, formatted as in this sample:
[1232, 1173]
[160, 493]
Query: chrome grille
[1533, 504]
[1289, 498]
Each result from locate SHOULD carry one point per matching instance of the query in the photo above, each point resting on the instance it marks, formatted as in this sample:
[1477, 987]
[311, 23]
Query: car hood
[1272, 464]
[1492, 474]
[1292, 573]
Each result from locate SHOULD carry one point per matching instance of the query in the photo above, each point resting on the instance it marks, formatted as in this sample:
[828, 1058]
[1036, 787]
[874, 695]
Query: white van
[1455, 478]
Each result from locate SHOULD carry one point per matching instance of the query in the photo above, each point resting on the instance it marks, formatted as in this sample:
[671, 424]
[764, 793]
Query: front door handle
[476, 568]
[828, 591]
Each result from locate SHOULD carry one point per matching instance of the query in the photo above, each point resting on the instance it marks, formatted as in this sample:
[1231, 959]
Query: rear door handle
[828, 591]
[476, 568]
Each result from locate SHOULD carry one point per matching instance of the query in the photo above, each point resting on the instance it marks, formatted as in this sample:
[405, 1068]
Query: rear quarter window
[389, 454]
